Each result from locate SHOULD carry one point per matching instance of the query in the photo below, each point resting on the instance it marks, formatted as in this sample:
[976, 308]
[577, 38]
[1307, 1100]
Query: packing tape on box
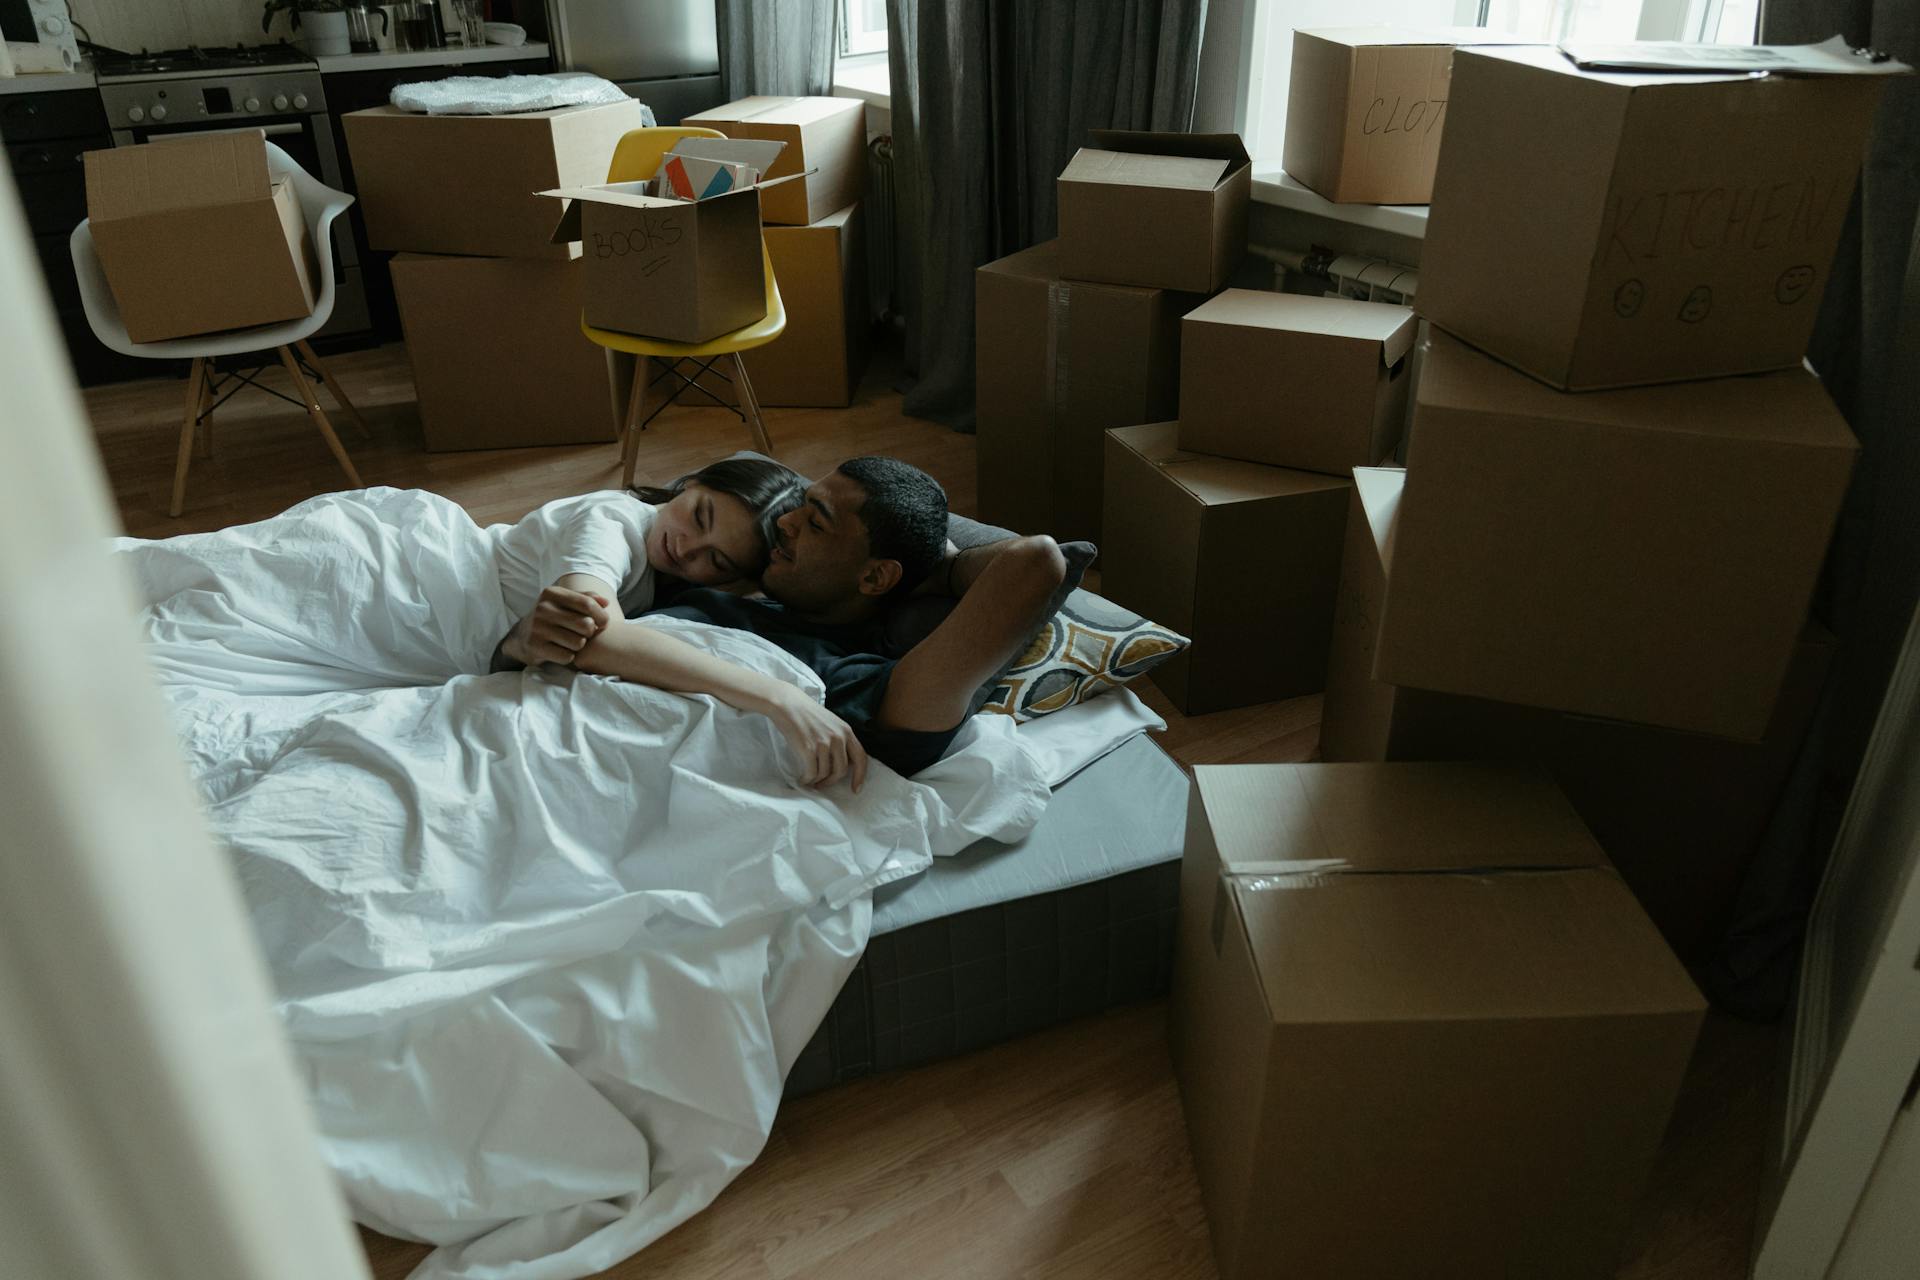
[1293, 873]
[1059, 379]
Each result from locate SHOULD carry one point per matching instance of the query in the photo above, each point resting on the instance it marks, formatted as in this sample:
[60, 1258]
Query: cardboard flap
[1214, 481]
[755, 153]
[568, 229]
[1211, 146]
[186, 174]
[1177, 173]
[1380, 489]
[631, 194]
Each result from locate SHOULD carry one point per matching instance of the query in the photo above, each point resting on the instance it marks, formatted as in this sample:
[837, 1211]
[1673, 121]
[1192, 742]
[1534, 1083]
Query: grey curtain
[1867, 349]
[782, 47]
[990, 100]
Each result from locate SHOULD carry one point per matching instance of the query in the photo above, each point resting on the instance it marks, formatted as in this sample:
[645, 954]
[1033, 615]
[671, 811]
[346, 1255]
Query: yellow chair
[638, 157]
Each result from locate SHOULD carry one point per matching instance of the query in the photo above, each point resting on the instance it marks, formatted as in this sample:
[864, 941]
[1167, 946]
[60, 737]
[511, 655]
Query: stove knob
[53, 25]
[300, 101]
[159, 112]
[279, 102]
[252, 105]
[136, 114]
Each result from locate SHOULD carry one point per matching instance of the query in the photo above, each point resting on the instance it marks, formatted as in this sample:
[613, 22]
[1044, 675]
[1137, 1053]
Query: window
[863, 27]
[1261, 119]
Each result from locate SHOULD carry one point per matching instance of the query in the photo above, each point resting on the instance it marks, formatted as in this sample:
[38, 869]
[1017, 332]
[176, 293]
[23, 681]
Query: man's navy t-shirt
[849, 662]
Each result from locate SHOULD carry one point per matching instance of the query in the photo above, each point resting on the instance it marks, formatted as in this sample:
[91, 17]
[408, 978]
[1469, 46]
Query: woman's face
[705, 537]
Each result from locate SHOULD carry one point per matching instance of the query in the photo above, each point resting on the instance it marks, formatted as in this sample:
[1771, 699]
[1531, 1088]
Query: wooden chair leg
[203, 431]
[312, 402]
[196, 380]
[636, 414]
[751, 403]
[334, 389]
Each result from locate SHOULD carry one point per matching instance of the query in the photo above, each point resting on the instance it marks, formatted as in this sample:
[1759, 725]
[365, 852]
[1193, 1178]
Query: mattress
[1003, 939]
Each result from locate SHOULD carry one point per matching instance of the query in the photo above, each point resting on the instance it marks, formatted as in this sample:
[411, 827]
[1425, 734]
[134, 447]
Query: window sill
[1277, 187]
[866, 77]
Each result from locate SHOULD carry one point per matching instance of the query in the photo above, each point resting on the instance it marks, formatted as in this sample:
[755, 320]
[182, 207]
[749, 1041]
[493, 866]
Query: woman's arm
[640, 654]
[568, 614]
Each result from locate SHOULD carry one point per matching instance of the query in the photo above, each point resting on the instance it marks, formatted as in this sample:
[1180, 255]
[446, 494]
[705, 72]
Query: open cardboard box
[196, 236]
[1162, 210]
[685, 271]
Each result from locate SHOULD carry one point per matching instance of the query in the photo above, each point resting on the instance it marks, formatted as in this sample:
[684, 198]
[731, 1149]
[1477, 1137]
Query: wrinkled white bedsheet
[545, 945]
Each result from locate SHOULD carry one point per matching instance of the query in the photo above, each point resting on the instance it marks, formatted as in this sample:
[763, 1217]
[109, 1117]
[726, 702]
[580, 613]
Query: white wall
[171, 24]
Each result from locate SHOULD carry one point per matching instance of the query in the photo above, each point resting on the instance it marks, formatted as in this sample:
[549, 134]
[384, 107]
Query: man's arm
[1004, 591]
[640, 654]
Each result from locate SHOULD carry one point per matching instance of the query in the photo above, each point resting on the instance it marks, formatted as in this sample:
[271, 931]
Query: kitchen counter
[396, 60]
[46, 82]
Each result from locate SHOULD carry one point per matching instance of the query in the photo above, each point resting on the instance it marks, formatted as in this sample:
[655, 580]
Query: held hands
[561, 624]
[826, 744]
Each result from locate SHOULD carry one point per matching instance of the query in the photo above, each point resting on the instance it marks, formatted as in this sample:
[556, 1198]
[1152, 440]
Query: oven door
[309, 142]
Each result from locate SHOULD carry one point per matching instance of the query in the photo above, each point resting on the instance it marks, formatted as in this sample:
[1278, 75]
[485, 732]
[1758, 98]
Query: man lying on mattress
[867, 535]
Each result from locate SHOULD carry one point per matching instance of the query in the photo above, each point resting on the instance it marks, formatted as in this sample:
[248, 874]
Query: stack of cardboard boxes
[489, 306]
[1421, 1025]
[815, 238]
[1082, 333]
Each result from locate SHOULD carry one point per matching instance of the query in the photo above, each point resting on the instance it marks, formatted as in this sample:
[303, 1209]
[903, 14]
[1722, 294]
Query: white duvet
[545, 945]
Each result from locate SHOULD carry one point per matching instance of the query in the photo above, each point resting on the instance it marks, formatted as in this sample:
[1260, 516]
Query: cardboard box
[1680, 814]
[1292, 381]
[466, 184]
[498, 358]
[681, 270]
[825, 135]
[1365, 109]
[1243, 559]
[1057, 362]
[1451, 1050]
[822, 271]
[197, 236]
[1160, 210]
[1674, 226]
[1642, 555]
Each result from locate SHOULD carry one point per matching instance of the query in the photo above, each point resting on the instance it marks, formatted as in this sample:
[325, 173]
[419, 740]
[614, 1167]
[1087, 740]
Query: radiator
[882, 233]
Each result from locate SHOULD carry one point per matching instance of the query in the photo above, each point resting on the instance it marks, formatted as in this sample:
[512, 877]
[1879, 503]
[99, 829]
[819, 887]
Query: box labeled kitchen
[1058, 362]
[825, 138]
[667, 268]
[487, 385]
[197, 235]
[1661, 226]
[1644, 554]
[1679, 814]
[468, 184]
[1293, 381]
[1420, 1026]
[1159, 210]
[1242, 558]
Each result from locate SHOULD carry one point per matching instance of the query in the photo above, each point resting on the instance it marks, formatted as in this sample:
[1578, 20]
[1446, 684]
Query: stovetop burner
[195, 61]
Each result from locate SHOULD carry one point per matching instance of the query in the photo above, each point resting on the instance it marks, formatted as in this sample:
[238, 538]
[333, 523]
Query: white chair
[320, 204]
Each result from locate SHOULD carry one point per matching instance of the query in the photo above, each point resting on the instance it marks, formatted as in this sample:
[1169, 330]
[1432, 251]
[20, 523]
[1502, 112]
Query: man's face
[822, 559]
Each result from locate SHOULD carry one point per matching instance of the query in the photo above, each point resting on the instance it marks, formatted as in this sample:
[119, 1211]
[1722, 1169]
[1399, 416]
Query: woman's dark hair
[905, 513]
[768, 489]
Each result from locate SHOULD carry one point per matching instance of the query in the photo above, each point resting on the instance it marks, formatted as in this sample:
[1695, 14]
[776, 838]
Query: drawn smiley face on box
[1629, 298]
[1794, 284]
[1697, 306]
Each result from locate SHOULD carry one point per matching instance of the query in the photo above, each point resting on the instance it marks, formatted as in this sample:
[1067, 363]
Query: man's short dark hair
[905, 514]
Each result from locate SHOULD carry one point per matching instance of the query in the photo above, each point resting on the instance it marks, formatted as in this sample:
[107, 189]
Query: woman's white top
[604, 534]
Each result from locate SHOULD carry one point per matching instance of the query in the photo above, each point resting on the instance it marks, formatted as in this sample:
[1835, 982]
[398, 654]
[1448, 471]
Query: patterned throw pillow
[1090, 646]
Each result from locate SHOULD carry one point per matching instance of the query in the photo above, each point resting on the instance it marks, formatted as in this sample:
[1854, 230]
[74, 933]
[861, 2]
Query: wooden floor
[1059, 1155]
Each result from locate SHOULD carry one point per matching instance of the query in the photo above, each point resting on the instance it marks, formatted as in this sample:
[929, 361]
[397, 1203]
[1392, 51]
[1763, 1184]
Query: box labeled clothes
[1420, 1026]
